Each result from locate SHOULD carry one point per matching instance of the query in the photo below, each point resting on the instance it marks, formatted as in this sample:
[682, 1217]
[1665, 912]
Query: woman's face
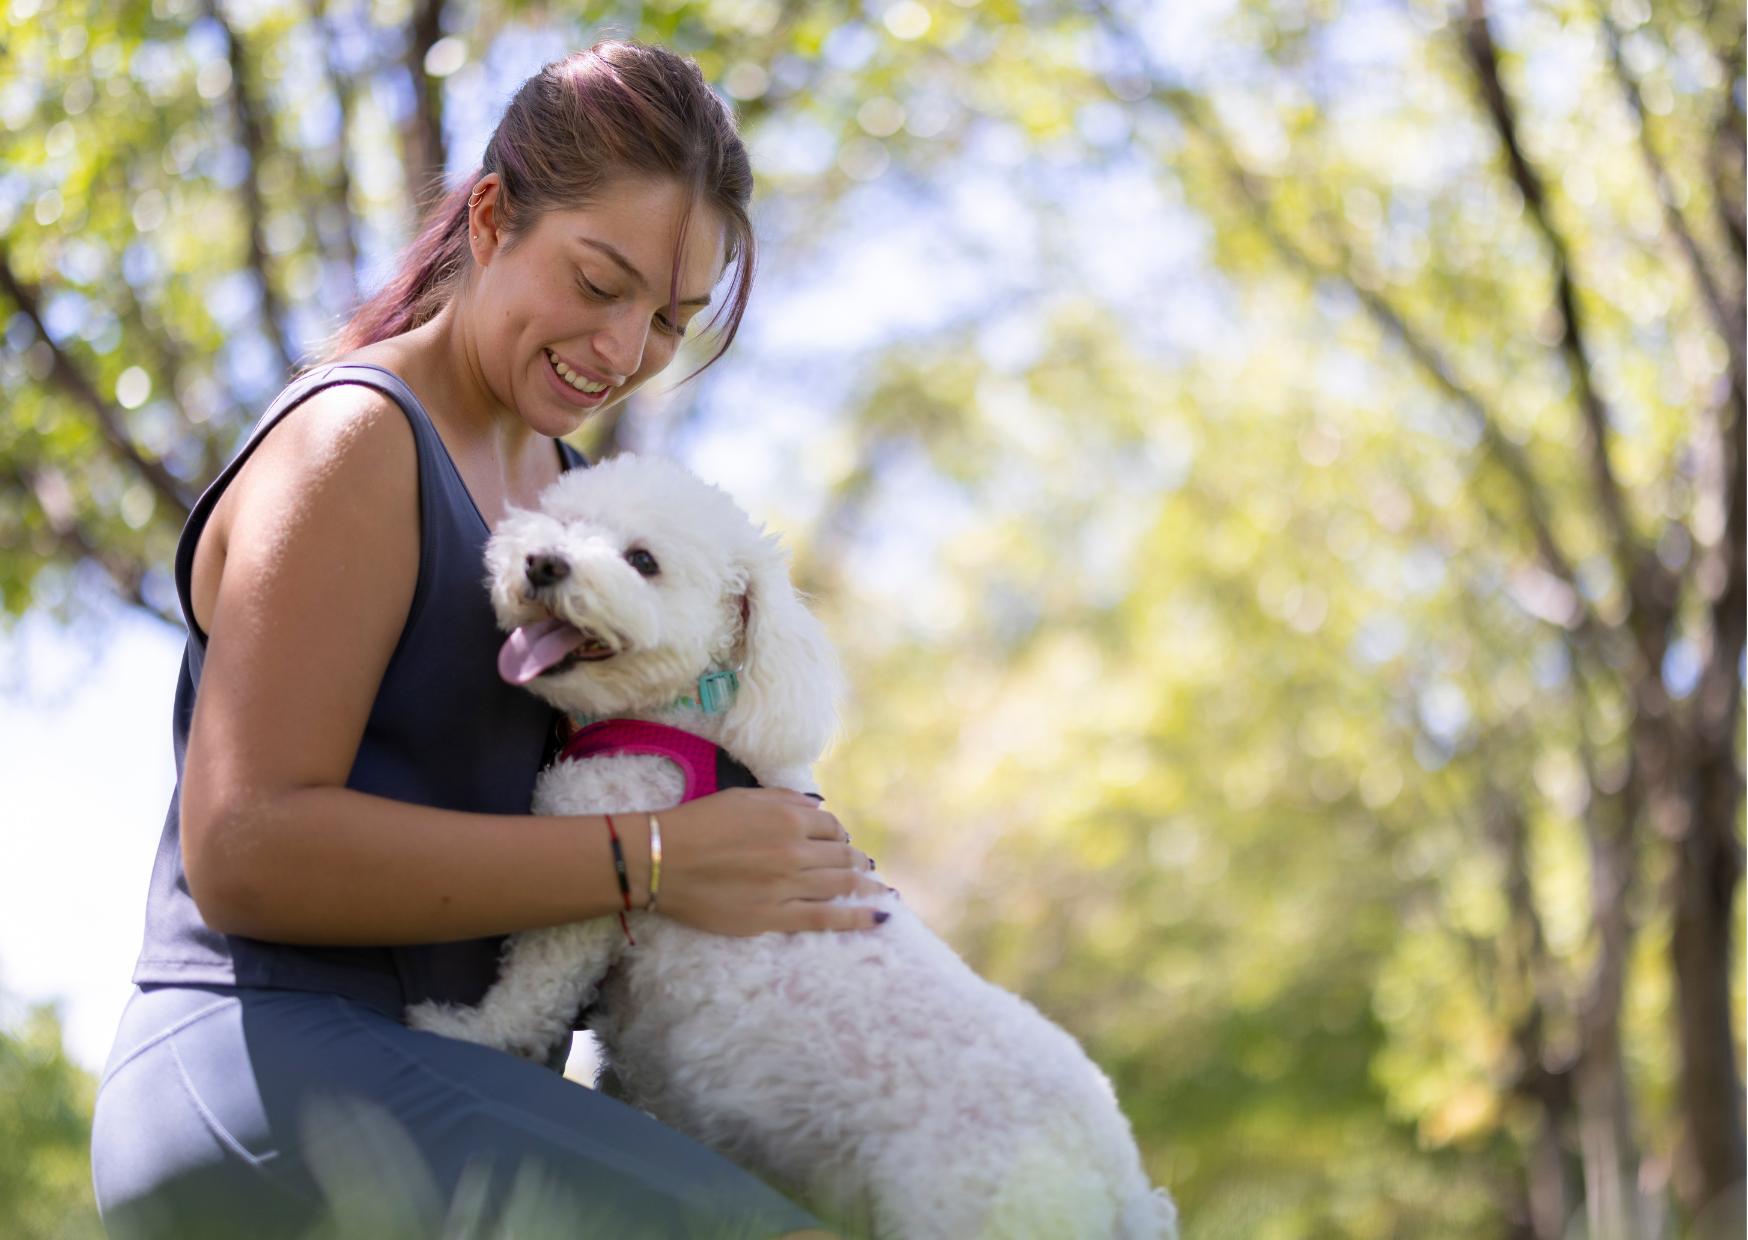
[582, 298]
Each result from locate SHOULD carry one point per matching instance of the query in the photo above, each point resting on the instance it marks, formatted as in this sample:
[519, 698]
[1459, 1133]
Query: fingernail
[870, 863]
[881, 917]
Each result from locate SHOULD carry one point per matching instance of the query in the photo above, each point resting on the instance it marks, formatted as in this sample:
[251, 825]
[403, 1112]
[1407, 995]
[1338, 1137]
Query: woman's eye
[588, 287]
[669, 326]
[642, 561]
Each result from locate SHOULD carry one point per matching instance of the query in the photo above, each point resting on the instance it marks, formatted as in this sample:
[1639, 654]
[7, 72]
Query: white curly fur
[870, 1074]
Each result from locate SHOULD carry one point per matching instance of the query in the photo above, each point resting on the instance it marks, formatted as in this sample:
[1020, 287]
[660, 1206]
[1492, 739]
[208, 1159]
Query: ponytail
[422, 281]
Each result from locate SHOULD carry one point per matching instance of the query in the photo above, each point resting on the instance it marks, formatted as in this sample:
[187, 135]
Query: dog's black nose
[544, 569]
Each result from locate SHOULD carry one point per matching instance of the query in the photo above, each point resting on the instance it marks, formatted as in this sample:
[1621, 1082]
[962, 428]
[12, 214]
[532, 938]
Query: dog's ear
[786, 704]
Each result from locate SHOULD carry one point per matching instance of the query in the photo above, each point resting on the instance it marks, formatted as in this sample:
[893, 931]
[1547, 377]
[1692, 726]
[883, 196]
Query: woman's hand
[747, 860]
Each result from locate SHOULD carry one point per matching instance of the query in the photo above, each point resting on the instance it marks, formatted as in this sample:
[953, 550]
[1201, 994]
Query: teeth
[574, 379]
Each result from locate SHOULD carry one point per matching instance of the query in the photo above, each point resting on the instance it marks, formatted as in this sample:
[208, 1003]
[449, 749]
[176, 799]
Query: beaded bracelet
[655, 861]
[624, 883]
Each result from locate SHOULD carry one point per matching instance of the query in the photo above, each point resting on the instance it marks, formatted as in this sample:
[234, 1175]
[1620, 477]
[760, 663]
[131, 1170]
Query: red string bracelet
[624, 883]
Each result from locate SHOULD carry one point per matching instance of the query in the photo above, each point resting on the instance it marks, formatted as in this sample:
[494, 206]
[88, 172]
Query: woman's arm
[329, 865]
[303, 582]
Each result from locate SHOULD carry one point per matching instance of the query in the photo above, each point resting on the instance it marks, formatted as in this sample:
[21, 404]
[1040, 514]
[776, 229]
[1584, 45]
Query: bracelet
[655, 861]
[624, 883]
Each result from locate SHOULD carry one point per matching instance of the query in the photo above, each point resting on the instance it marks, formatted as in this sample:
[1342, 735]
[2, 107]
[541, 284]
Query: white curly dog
[870, 1074]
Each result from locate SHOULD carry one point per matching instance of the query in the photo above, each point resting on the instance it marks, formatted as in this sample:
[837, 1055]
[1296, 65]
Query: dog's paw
[468, 1024]
[462, 1023]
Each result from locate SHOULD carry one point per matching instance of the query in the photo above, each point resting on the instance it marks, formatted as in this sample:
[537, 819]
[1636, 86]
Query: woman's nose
[621, 344]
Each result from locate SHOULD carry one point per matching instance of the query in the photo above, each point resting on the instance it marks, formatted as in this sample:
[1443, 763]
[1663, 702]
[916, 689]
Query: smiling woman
[649, 116]
[349, 833]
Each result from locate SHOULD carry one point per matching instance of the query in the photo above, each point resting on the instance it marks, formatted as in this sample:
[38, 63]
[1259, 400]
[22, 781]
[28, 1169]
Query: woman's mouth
[573, 387]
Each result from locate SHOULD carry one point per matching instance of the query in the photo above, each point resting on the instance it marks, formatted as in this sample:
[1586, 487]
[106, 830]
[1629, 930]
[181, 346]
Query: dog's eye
[642, 561]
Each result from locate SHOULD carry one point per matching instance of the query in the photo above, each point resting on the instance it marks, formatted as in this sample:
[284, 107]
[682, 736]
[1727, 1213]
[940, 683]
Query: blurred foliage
[45, 1129]
[1269, 686]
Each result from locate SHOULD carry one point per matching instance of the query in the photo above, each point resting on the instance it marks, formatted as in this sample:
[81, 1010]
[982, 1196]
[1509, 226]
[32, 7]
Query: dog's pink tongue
[533, 648]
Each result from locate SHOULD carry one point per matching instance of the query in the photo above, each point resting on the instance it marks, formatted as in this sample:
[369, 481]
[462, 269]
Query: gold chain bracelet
[655, 861]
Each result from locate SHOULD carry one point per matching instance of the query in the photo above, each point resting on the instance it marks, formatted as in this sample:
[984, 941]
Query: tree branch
[48, 489]
[340, 188]
[65, 373]
[1728, 137]
[1484, 59]
[254, 143]
[1726, 162]
[1726, 316]
[1508, 455]
[422, 135]
[170, 362]
[1722, 577]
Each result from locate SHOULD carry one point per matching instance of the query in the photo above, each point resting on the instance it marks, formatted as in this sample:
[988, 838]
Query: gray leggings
[241, 1111]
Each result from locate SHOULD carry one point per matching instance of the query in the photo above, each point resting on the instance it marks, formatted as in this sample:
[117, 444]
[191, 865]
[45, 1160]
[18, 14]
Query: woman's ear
[790, 681]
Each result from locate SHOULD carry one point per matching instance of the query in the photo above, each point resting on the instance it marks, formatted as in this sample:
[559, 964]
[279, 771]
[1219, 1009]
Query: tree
[45, 1126]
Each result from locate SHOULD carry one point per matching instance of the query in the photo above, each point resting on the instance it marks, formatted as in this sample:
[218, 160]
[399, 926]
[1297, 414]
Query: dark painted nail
[881, 917]
[870, 863]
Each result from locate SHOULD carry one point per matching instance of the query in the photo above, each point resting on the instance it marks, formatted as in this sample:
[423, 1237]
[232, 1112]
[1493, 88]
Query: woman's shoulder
[327, 477]
[366, 403]
[411, 369]
[351, 435]
[382, 357]
[342, 420]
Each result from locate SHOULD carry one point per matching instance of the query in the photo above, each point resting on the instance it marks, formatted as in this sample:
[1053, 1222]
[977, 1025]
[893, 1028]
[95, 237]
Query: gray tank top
[444, 731]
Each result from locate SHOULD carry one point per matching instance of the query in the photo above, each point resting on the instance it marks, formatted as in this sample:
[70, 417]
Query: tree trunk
[1549, 1189]
[1612, 1199]
[1703, 891]
[1612, 1202]
[1708, 859]
[422, 134]
[1549, 1185]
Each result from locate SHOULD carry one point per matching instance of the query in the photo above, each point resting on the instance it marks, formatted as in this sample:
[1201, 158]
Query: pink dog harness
[707, 767]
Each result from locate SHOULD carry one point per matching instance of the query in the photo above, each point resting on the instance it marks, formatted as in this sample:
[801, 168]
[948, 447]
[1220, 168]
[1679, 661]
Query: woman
[349, 833]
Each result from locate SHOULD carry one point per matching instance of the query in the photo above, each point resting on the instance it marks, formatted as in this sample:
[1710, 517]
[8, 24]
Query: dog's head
[635, 577]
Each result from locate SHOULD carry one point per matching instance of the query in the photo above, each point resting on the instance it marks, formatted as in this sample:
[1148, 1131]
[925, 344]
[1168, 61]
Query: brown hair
[618, 109]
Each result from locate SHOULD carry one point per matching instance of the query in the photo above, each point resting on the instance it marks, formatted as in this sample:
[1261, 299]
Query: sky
[88, 774]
